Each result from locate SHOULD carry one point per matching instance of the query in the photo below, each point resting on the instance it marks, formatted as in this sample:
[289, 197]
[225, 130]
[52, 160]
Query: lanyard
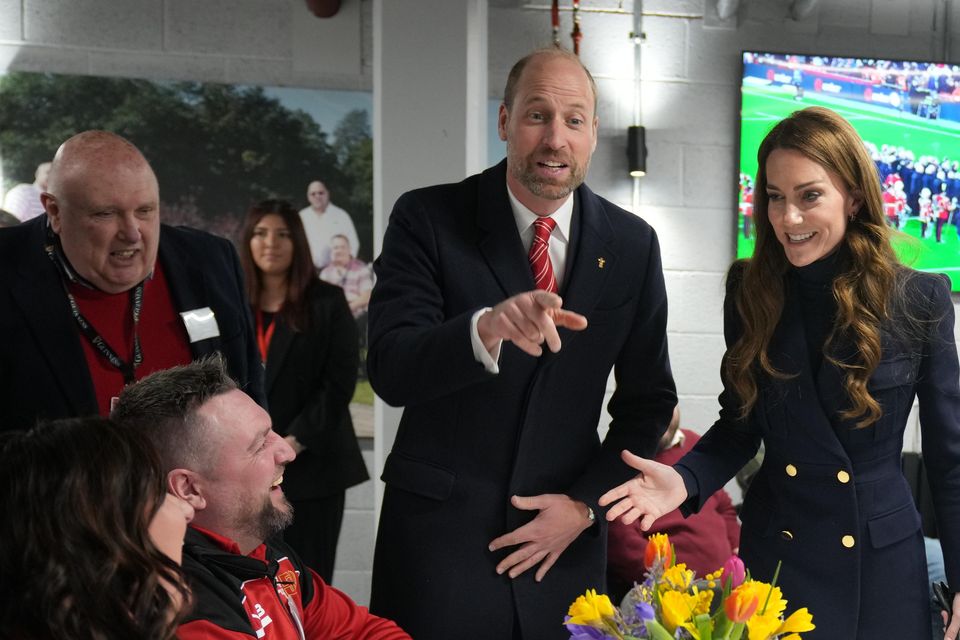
[264, 336]
[128, 369]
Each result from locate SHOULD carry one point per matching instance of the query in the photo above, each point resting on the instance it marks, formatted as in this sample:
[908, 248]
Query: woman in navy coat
[308, 341]
[829, 339]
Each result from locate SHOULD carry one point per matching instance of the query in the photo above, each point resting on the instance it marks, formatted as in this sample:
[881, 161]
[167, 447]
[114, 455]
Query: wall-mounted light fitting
[636, 151]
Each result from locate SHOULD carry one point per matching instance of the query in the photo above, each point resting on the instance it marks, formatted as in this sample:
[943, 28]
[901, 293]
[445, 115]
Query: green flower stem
[657, 631]
[773, 583]
[735, 631]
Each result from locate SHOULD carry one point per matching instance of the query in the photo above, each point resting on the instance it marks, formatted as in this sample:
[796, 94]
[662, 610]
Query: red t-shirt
[163, 338]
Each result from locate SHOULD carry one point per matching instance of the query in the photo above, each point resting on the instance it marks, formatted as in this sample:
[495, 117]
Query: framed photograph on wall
[216, 150]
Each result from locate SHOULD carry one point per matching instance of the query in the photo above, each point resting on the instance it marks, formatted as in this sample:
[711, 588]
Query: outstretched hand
[528, 320]
[656, 490]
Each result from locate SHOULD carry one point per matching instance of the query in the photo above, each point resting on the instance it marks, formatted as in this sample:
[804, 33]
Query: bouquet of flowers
[672, 603]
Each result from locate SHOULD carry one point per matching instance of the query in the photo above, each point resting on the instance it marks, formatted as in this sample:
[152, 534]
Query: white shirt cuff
[488, 359]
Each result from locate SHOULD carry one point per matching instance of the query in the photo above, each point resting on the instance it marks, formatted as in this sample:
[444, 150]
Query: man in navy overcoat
[488, 526]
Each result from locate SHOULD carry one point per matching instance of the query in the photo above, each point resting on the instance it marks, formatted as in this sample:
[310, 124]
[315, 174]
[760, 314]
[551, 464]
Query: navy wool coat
[469, 439]
[830, 500]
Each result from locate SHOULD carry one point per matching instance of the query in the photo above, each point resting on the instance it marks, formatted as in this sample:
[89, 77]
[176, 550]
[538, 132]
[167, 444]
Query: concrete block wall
[690, 104]
[272, 42]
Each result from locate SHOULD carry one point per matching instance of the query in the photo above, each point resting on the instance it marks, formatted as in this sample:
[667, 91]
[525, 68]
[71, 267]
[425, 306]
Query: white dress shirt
[559, 244]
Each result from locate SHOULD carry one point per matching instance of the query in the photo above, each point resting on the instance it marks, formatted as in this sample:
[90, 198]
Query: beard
[267, 520]
[524, 170]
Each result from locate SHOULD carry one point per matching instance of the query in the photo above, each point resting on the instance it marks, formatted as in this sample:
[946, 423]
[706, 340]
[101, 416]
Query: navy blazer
[469, 439]
[43, 372]
[830, 500]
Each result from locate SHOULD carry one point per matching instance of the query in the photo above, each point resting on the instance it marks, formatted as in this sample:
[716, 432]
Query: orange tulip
[741, 604]
[658, 546]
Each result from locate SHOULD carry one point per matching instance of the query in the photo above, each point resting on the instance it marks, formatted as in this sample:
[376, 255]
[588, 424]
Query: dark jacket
[830, 500]
[310, 379]
[43, 372]
[468, 439]
[267, 594]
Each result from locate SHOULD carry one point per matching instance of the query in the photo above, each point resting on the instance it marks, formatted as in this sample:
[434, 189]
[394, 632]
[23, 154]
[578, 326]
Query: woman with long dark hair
[90, 542]
[829, 340]
[308, 341]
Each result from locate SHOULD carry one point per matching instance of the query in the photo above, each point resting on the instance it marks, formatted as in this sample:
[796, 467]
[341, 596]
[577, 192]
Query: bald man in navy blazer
[489, 526]
[97, 293]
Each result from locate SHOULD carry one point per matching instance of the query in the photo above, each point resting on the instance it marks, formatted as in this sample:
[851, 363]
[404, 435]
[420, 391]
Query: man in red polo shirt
[98, 293]
[221, 455]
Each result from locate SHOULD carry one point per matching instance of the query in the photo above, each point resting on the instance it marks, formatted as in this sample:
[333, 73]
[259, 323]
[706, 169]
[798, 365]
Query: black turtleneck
[817, 305]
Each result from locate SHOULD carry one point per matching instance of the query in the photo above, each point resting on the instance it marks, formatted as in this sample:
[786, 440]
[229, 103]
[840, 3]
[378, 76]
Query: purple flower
[733, 572]
[585, 632]
[644, 610]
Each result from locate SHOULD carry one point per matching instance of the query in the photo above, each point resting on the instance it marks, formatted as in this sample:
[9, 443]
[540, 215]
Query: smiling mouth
[800, 237]
[126, 254]
[277, 482]
[551, 164]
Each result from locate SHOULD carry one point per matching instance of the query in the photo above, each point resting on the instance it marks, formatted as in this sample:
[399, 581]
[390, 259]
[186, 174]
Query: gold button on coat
[791, 470]
[843, 476]
[786, 535]
[848, 541]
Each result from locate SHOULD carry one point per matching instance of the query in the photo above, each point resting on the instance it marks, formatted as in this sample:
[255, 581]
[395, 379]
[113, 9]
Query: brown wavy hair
[863, 290]
[77, 561]
[302, 275]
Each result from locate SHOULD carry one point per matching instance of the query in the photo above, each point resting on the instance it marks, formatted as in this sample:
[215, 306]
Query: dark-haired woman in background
[308, 340]
[829, 340]
[90, 542]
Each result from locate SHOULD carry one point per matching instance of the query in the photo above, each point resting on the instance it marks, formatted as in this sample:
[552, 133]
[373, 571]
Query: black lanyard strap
[128, 369]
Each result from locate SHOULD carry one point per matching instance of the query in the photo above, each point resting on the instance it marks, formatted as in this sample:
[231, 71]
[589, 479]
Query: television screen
[908, 114]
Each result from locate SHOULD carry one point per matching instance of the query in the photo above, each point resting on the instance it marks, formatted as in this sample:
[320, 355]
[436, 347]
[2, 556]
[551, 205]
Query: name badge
[200, 323]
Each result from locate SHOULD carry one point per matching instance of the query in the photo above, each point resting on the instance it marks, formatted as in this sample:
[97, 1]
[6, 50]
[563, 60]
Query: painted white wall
[690, 104]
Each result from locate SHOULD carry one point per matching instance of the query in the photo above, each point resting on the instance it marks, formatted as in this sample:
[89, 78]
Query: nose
[793, 215]
[285, 453]
[553, 134]
[129, 227]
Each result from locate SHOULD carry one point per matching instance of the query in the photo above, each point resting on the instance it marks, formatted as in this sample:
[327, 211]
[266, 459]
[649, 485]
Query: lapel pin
[601, 262]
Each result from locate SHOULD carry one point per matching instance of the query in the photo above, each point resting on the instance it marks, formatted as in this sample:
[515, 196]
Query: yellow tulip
[590, 609]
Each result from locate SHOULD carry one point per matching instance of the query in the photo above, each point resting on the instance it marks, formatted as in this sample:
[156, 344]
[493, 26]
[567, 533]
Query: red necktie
[539, 255]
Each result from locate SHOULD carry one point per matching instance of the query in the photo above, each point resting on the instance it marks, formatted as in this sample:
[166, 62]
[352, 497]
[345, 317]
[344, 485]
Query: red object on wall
[324, 8]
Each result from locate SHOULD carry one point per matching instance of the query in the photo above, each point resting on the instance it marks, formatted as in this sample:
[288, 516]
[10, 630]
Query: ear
[188, 486]
[502, 117]
[52, 207]
[856, 203]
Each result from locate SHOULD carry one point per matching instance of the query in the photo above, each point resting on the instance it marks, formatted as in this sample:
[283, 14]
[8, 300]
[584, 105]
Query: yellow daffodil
[799, 620]
[658, 547]
[677, 577]
[590, 609]
[762, 626]
[677, 609]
